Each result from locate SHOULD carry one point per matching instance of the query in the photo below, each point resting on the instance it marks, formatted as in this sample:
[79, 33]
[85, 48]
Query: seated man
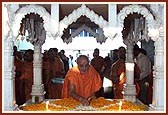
[82, 82]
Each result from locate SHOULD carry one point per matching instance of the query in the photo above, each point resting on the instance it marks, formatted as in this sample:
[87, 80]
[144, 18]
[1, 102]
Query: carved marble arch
[130, 9]
[81, 11]
[89, 30]
[36, 9]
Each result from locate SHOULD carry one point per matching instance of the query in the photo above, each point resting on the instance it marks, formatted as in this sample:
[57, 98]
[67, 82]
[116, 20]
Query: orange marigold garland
[99, 104]
[67, 102]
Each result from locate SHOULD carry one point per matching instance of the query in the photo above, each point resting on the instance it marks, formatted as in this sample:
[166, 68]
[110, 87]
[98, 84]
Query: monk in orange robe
[59, 73]
[27, 76]
[52, 68]
[82, 82]
[97, 62]
[118, 74]
[19, 85]
[45, 71]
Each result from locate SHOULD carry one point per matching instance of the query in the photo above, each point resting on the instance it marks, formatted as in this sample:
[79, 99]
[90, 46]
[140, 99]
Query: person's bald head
[83, 63]
[82, 57]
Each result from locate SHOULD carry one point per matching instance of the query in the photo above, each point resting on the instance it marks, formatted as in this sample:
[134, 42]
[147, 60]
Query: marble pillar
[54, 19]
[159, 81]
[37, 87]
[129, 87]
[9, 101]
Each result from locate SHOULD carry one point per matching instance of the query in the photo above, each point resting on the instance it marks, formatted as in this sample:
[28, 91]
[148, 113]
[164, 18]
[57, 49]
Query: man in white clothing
[144, 65]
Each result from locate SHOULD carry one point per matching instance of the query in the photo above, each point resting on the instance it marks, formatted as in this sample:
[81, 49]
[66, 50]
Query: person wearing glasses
[81, 82]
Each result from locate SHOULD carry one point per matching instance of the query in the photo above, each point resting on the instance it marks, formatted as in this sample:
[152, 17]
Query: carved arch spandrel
[82, 11]
[98, 37]
[22, 12]
[130, 9]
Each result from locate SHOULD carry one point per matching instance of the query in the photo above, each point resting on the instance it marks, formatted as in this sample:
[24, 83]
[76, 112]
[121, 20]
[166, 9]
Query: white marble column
[159, 76]
[8, 69]
[9, 76]
[129, 87]
[112, 15]
[159, 81]
[112, 30]
[54, 18]
[37, 88]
